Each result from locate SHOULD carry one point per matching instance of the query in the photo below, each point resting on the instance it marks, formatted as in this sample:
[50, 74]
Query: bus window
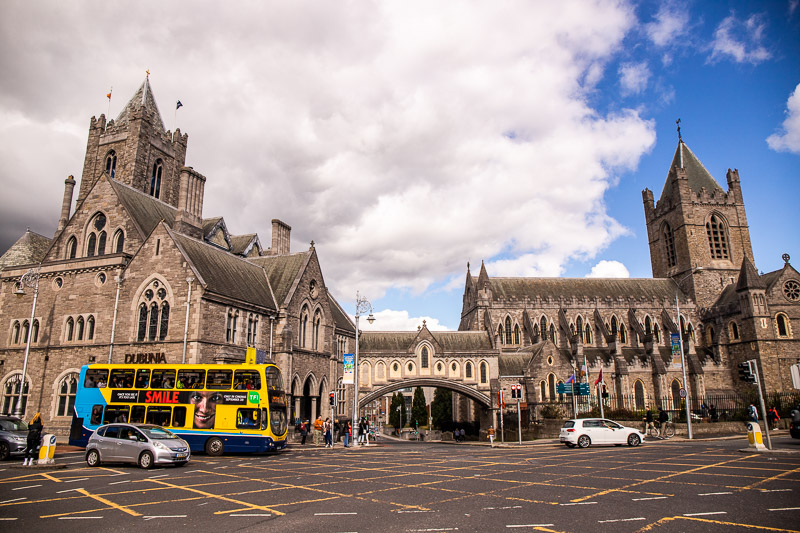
[247, 380]
[97, 414]
[264, 419]
[137, 414]
[142, 378]
[163, 379]
[191, 379]
[219, 379]
[121, 378]
[116, 413]
[274, 378]
[179, 417]
[159, 416]
[247, 418]
[96, 377]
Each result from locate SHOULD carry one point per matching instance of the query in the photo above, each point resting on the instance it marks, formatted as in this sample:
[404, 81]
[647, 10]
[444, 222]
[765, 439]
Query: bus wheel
[214, 446]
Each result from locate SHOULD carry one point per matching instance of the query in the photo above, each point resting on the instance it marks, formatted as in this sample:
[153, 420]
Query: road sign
[683, 393]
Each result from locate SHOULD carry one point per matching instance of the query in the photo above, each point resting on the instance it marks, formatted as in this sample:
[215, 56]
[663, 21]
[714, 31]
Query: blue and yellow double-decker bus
[215, 408]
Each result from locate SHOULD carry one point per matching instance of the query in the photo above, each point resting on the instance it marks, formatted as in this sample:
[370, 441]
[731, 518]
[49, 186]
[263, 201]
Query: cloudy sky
[410, 138]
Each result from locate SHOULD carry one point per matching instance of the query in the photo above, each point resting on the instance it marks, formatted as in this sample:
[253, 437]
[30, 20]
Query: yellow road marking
[51, 478]
[771, 478]
[654, 480]
[649, 527]
[218, 497]
[108, 502]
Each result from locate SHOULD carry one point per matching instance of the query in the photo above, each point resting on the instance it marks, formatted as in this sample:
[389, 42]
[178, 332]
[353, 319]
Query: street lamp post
[683, 356]
[362, 306]
[30, 279]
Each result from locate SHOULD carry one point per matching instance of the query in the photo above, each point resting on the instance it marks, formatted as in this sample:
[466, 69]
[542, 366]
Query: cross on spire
[678, 122]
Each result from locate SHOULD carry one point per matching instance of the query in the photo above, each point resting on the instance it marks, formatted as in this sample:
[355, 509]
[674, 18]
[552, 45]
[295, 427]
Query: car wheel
[93, 458]
[214, 446]
[146, 460]
[584, 441]
[634, 440]
[5, 452]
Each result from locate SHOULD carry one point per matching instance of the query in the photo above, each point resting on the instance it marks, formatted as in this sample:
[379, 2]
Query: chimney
[280, 237]
[69, 187]
[189, 218]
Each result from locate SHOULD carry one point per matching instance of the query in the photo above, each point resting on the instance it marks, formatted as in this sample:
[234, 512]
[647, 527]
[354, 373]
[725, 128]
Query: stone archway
[472, 393]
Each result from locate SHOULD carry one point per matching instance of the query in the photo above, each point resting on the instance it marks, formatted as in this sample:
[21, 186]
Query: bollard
[47, 450]
[754, 436]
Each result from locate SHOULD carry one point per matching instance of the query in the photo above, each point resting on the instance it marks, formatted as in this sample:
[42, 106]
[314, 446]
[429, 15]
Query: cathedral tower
[136, 150]
[698, 232]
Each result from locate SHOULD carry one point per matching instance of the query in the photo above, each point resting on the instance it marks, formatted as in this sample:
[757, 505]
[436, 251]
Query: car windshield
[155, 432]
[13, 425]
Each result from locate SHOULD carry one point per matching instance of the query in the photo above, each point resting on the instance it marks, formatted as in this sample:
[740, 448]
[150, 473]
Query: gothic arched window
[468, 370]
[552, 333]
[111, 163]
[72, 248]
[67, 389]
[11, 390]
[484, 373]
[543, 326]
[516, 334]
[91, 245]
[80, 324]
[508, 330]
[717, 240]
[424, 357]
[141, 331]
[70, 328]
[153, 313]
[90, 328]
[588, 334]
[164, 325]
[155, 179]
[669, 243]
[119, 241]
[579, 328]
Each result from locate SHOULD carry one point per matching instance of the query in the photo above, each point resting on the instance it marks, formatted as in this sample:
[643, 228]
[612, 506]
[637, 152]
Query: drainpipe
[114, 320]
[271, 322]
[189, 280]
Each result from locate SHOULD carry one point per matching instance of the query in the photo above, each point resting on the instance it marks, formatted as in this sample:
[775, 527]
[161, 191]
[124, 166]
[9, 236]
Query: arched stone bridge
[462, 361]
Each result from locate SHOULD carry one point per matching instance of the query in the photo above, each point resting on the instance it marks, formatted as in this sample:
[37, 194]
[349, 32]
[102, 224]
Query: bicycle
[668, 431]
[651, 430]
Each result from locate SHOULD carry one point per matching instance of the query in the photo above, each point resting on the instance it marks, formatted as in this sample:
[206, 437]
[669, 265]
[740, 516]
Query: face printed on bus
[205, 408]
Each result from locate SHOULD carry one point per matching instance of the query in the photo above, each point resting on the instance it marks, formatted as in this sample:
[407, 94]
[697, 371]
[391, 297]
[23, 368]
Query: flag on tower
[109, 94]
[178, 105]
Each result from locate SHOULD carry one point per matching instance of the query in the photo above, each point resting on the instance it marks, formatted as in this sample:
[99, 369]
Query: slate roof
[282, 271]
[748, 277]
[145, 210]
[239, 243]
[226, 274]
[400, 341]
[30, 248]
[579, 288]
[340, 318]
[142, 98]
[514, 364]
[208, 225]
[696, 173]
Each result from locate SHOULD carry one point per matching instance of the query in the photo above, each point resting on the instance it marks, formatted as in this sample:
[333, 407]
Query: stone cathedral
[136, 273]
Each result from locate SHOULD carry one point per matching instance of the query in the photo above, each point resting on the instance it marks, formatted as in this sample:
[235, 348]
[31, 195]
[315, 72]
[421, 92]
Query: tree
[442, 409]
[394, 414]
[419, 413]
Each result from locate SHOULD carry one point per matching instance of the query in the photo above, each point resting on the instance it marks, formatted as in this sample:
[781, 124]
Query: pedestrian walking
[348, 433]
[490, 432]
[303, 432]
[35, 428]
[773, 417]
[318, 423]
[752, 413]
[328, 430]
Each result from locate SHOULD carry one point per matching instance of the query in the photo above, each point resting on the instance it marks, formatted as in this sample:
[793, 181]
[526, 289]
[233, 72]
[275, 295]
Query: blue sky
[407, 139]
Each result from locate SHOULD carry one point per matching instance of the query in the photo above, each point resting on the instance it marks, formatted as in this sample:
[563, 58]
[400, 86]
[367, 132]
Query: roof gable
[282, 271]
[30, 248]
[696, 173]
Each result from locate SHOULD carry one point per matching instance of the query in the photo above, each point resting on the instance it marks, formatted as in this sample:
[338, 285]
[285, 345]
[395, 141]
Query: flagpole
[108, 113]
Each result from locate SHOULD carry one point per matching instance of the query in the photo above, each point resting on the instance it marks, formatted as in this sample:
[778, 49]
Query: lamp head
[371, 318]
[19, 290]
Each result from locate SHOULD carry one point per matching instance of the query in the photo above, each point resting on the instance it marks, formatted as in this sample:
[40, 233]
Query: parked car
[13, 436]
[143, 444]
[794, 424]
[584, 432]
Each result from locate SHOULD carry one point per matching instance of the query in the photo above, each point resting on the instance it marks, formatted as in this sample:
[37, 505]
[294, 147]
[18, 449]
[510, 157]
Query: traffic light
[605, 391]
[746, 372]
[333, 398]
[516, 392]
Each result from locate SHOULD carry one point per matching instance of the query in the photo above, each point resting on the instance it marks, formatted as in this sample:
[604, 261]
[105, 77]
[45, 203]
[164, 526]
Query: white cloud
[740, 41]
[403, 138]
[608, 269]
[633, 77]
[389, 320]
[789, 139]
[671, 24]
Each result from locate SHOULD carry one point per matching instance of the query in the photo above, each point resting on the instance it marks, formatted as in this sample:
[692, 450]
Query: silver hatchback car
[144, 444]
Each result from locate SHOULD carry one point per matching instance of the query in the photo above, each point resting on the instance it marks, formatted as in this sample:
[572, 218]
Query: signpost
[675, 340]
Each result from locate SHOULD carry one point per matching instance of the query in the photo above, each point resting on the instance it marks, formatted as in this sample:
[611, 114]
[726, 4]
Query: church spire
[142, 99]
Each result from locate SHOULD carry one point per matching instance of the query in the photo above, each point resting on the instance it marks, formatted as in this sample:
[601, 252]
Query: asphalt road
[664, 486]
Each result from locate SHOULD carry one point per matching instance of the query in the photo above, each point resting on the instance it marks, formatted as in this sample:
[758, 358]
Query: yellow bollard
[754, 436]
[47, 450]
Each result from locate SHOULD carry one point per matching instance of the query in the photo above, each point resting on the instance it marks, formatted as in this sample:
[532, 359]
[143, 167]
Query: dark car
[794, 424]
[13, 436]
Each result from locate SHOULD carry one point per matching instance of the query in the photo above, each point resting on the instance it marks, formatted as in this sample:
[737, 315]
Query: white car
[584, 432]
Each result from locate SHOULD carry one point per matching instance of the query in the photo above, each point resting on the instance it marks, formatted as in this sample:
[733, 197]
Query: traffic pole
[754, 366]
[519, 422]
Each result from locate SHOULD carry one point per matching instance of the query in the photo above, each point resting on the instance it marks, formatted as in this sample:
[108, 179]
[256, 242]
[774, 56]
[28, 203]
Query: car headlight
[19, 439]
[160, 445]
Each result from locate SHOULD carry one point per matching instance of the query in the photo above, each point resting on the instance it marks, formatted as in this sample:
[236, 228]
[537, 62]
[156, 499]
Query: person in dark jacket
[35, 428]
